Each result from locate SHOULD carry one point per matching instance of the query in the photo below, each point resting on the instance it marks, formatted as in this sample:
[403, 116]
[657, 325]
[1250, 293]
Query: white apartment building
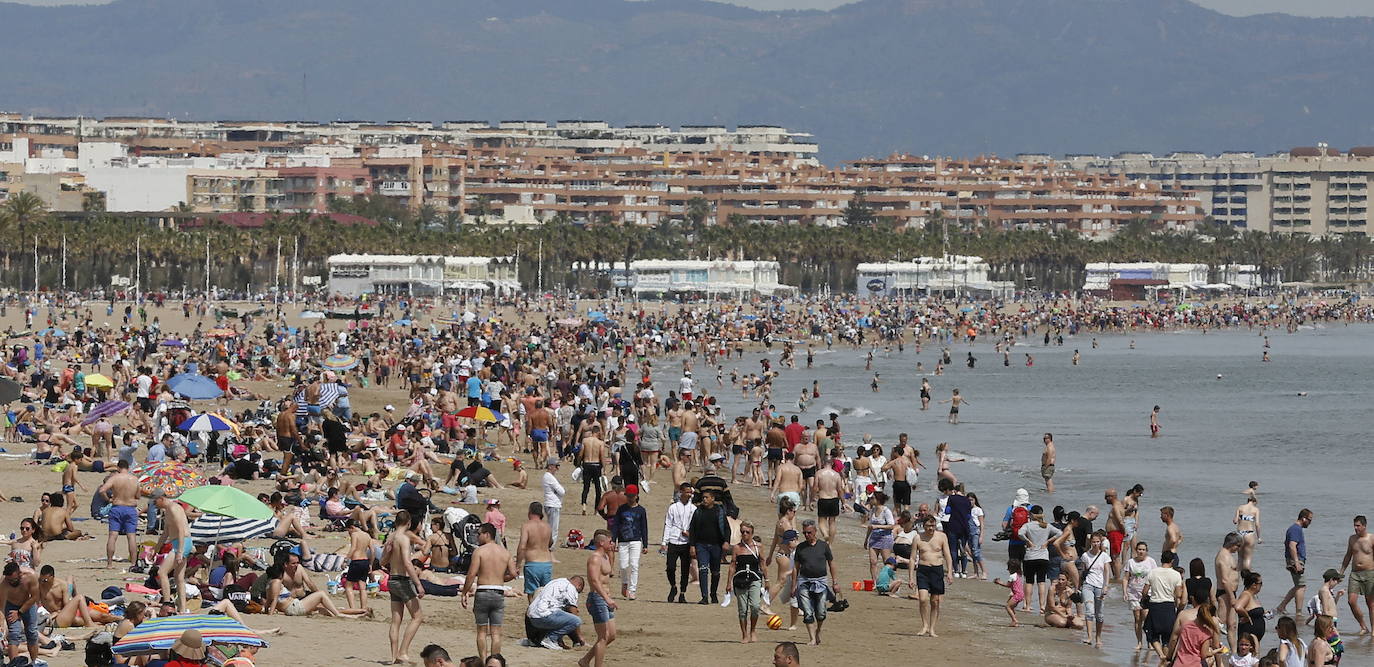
[686, 276]
[1309, 190]
[954, 274]
[355, 275]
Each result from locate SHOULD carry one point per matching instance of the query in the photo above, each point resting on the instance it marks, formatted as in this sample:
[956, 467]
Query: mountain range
[953, 77]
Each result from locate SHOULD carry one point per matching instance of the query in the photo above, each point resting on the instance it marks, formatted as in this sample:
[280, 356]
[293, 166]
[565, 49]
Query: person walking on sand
[1359, 557]
[490, 569]
[815, 568]
[599, 603]
[405, 589]
[933, 574]
[121, 489]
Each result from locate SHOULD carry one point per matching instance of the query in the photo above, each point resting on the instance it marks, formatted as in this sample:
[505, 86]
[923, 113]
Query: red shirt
[794, 431]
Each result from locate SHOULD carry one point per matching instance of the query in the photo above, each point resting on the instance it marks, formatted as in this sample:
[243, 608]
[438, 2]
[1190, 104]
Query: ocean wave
[856, 412]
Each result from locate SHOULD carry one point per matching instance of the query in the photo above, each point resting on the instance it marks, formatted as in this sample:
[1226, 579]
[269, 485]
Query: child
[756, 463]
[496, 518]
[1017, 586]
[1324, 602]
[887, 583]
[1245, 652]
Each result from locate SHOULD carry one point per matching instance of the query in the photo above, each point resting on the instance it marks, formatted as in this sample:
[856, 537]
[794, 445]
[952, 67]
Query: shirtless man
[69, 480]
[807, 457]
[788, 481]
[1359, 556]
[1173, 537]
[1116, 529]
[932, 574]
[176, 531]
[1047, 463]
[406, 590]
[829, 489]
[599, 602]
[122, 490]
[954, 401]
[776, 443]
[594, 459]
[1154, 420]
[67, 609]
[541, 420]
[682, 468]
[288, 435]
[753, 433]
[492, 566]
[900, 466]
[19, 591]
[691, 423]
[532, 553]
[675, 425]
[359, 565]
[1228, 583]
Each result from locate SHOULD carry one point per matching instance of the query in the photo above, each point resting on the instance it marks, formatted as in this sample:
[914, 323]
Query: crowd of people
[583, 399]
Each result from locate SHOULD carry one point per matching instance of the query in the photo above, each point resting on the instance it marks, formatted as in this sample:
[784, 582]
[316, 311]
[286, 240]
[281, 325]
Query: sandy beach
[973, 627]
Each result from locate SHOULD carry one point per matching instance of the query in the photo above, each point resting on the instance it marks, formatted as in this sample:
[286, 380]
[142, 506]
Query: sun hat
[190, 645]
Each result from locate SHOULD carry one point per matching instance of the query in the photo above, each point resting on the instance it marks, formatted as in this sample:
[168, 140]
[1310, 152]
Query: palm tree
[18, 215]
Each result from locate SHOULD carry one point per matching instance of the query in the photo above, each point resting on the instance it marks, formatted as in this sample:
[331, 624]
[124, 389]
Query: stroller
[463, 526]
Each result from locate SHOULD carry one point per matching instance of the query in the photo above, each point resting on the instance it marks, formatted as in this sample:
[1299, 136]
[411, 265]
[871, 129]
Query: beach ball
[774, 622]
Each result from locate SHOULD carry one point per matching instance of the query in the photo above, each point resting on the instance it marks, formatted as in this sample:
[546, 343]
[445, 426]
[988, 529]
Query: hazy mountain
[929, 76]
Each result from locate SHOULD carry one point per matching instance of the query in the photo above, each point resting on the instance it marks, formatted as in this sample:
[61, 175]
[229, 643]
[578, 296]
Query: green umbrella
[225, 501]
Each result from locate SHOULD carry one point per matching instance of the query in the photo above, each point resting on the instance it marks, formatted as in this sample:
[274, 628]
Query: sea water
[1298, 424]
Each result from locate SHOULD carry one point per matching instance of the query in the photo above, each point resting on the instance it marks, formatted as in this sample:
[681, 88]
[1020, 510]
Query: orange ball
[774, 622]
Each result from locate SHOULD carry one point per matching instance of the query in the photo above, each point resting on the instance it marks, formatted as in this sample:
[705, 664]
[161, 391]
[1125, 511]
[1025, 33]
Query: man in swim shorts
[121, 489]
[533, 550]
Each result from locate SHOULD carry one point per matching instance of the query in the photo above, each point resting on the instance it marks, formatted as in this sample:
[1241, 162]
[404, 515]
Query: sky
[1236, 7]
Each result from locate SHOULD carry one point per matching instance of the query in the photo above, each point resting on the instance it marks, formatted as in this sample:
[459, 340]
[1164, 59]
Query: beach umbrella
[173, 342]
[206, 422]
[170, 477]
[570, 321]
[221, 333]
[226, 501]
[159, 634]
[481, 414]
[194, 386]
[597, 316]
[52, 331]
[106, 409]
[99, 381]
[403, 322]
[311, 315]
[219, 529]
[340, 362]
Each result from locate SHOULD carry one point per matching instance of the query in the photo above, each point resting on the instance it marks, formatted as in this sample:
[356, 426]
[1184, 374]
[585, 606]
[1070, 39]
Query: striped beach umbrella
[340, 362]
[105, 409]
[158, 634]
[206, 422]
[221, 333]
[217, 529]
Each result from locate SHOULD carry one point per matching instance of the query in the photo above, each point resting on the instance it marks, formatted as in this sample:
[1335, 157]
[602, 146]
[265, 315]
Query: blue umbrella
[403, 322]
[53, 331]
[194, 387]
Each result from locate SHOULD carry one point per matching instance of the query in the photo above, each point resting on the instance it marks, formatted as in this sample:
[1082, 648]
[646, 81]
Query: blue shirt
[1295, 534]
[156, 453]
[474, 387]
[885, 577]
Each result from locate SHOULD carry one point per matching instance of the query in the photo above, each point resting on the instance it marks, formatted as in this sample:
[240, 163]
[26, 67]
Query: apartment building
[1308, 190]
[312, 188]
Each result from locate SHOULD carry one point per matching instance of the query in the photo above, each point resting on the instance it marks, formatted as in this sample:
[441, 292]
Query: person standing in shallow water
[955, 401]
[1154, 422]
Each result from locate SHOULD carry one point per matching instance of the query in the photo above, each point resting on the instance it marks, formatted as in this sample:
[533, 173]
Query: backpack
[1019, 517]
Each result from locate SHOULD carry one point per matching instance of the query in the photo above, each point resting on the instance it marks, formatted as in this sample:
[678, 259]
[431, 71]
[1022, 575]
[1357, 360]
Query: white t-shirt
[1163, 581]
[145, 384]
[685, 385]
[554, 596]
[1096, 565]
[1138, 572]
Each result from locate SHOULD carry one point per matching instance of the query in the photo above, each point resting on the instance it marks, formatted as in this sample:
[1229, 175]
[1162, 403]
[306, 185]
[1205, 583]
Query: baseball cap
[1333, 573]
[789, 536]
[632, 488]
[493, 501]
[389, 407]
[891, 561]
[716, 456]
[553, 461]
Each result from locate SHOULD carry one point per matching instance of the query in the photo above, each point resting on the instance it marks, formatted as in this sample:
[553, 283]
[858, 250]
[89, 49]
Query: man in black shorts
[901, 493]
[829, 489]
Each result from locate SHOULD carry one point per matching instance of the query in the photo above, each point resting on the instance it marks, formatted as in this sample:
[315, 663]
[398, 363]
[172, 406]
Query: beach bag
[1019, 517]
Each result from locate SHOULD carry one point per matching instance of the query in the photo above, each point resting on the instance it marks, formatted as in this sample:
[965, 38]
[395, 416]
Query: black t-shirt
[1082, 530]
[706, 526]
[812, 559]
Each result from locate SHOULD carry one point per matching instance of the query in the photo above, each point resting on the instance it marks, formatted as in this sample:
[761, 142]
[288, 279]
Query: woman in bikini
[1247, 522]
[943, 459]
